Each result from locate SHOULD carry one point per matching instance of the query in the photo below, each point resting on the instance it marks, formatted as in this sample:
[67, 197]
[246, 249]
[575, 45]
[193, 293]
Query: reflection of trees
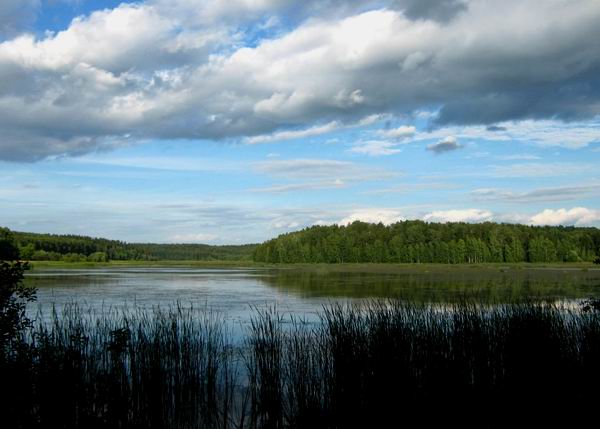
[439, 286]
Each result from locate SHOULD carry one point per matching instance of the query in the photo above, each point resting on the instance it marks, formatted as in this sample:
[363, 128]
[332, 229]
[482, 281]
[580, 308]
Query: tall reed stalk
[383, 364]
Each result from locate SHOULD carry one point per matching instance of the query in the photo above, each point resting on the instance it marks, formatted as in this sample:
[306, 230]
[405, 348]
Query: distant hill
[74, 248]
[417, 241]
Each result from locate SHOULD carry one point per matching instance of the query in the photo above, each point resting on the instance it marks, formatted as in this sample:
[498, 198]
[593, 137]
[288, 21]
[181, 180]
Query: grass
[378, 364]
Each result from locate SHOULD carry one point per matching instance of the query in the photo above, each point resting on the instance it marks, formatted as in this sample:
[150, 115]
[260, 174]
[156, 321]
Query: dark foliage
[14, 296]
[75, 248]
[387, 364]
[8, 249]
[167, 369]
[421, 242]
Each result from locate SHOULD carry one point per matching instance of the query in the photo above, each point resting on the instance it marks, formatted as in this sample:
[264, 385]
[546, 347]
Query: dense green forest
[403, 242]
[420, 242]
[74, 248]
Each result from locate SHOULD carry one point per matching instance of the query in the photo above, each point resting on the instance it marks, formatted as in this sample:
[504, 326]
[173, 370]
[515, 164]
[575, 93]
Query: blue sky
[234, 121]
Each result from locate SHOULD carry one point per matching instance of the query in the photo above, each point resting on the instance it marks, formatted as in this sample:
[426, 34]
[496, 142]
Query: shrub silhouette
[14, 296]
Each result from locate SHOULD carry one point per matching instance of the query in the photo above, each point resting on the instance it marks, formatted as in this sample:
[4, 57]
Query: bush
[8, 250]
[14, 296]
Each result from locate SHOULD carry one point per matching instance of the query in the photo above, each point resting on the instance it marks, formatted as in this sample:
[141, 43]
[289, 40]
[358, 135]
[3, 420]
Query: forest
[75, 248]
[411, 241]
[416, 241]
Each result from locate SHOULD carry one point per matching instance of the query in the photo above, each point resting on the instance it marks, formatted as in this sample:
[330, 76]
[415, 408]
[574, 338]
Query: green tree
[97, 257]
[8, 250]
[417, 241]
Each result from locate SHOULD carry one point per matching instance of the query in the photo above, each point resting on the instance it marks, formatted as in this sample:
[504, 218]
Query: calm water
[235, 292]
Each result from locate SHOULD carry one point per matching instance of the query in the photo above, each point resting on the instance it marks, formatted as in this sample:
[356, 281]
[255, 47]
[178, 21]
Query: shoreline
[384, 268]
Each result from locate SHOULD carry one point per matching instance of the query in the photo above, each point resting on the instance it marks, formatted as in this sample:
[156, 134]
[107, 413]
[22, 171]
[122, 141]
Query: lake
[234, 292]
[152, 371]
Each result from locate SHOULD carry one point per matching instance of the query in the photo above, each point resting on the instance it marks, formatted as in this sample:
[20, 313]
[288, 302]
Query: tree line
[416, 241]
[403, 242]
[76, 248]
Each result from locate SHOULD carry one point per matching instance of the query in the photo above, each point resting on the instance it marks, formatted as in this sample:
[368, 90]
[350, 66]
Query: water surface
[236, 292]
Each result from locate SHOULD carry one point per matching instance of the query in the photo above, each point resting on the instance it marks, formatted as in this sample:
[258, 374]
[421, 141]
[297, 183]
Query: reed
[167, 368]
[379, 364]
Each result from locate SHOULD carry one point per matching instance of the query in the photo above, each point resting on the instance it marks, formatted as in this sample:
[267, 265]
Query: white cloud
[552, 133]
[375, 148]
[412, 187]
[464, 215]
[537, 169]
[543, 133]
[67, 93]
[295, 187]
[282, 224]
[561, 193]
[576, 216]
[447, 144]
[163, 163]
[402, 132]
[373, 215]
[294, 134]
[194, 238]
[92, 41]
[315, 174]
[312, 131]
[209, 12]
[518, 157]
[323, 169]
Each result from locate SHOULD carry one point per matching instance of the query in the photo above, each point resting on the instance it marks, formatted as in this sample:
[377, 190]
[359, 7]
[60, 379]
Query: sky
[233, 121]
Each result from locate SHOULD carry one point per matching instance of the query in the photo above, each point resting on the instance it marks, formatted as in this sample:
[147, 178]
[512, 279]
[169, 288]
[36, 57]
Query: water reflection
[439, 286]
[299, 291]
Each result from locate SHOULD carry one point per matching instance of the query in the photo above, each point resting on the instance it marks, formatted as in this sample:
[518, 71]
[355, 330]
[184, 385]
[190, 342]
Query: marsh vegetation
[371, 364]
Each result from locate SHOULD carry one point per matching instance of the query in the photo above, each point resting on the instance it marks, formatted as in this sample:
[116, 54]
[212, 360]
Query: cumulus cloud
[465, 215]
[445, 145]
[173, 70]
[578, 216]
[373, 215]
